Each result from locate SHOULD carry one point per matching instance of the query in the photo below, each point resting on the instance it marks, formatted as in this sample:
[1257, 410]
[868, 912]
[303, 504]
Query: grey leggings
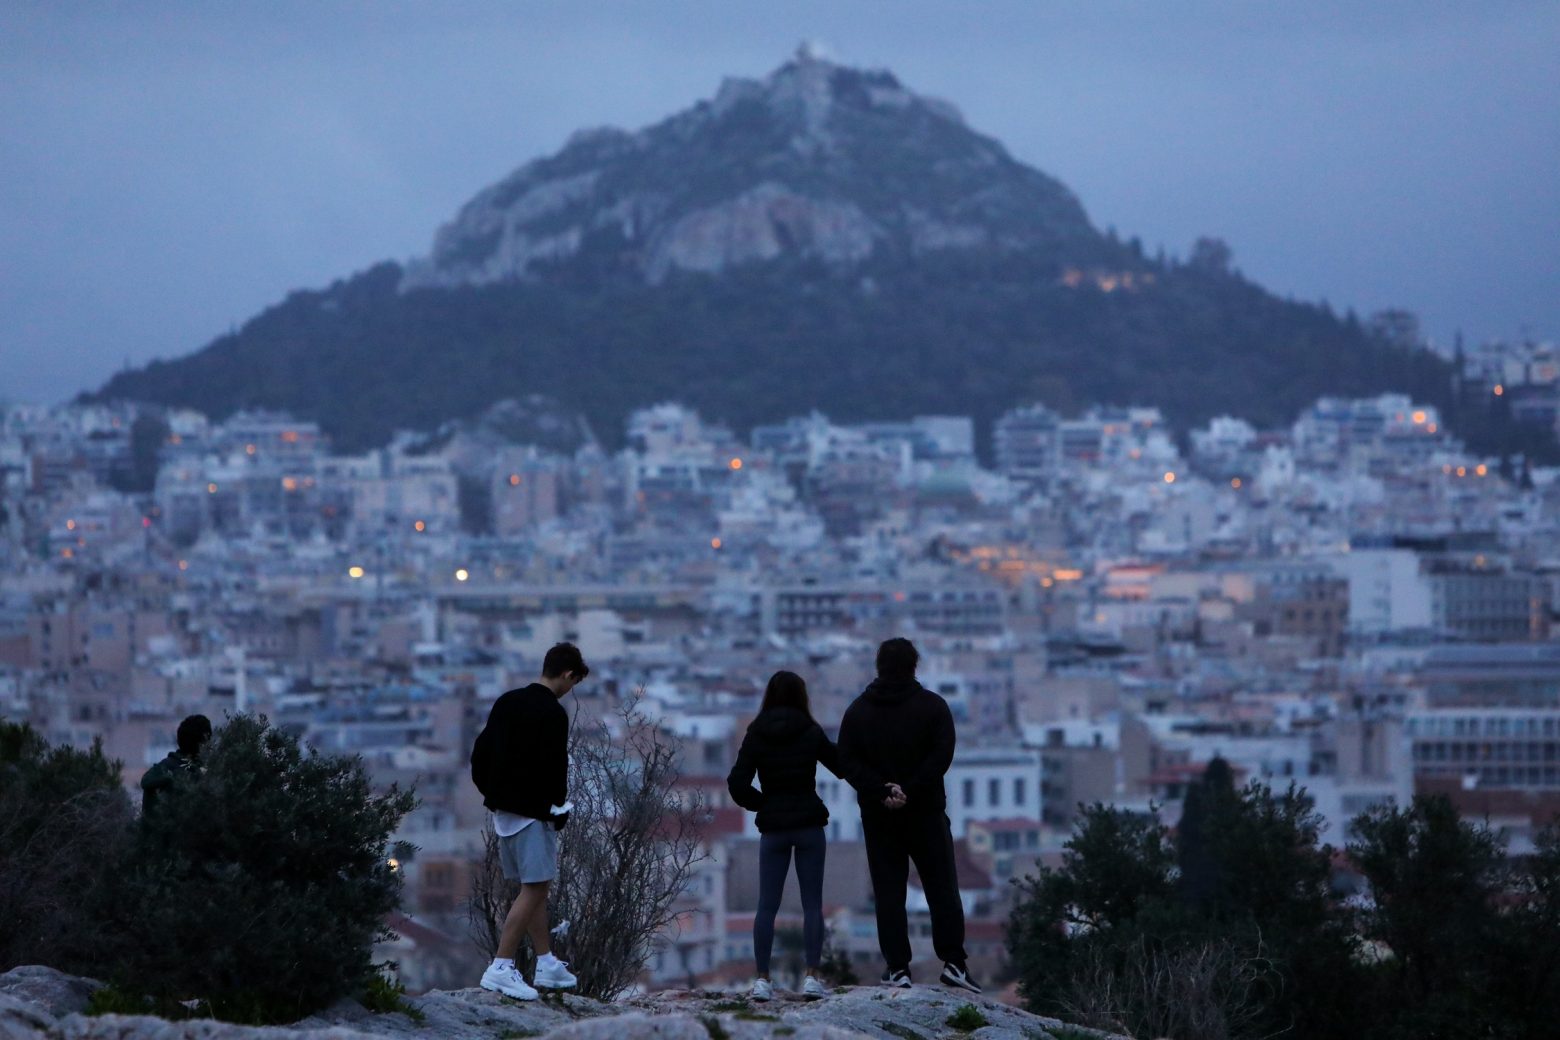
[774, 862]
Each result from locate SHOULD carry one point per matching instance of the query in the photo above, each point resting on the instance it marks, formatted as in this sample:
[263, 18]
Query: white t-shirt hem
[506, 824]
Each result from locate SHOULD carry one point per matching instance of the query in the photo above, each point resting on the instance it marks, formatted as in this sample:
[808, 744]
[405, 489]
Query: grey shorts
[531, 855]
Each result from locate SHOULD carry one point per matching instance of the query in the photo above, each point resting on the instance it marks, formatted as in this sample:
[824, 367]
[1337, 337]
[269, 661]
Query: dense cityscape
[1355, 603]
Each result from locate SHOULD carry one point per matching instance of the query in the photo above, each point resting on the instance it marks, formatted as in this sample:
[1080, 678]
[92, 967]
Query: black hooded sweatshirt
[899, 732]
[520, 761]
[783, 746]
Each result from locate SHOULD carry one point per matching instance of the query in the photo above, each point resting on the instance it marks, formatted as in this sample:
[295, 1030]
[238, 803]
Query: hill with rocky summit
[818, 162]
[821, 238]
[42, 1004]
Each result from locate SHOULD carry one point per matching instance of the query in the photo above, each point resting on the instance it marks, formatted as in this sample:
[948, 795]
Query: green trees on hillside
[256, 888]
[977, 333]
[1232, 928]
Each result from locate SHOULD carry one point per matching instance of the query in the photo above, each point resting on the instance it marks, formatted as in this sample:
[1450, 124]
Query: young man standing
[520, 763]
[896, 742]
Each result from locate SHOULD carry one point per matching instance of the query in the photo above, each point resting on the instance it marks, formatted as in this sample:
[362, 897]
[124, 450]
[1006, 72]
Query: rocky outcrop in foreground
[43, 1004]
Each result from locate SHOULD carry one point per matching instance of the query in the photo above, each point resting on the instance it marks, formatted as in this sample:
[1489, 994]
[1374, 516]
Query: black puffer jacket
[783, 746]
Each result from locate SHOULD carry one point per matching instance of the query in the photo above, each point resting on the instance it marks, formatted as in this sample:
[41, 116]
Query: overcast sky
[169, 169]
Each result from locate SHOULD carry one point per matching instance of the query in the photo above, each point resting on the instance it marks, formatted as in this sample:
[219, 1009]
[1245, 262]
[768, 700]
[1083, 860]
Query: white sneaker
[551, 973]
[812, 989]
[762, 990]
[507, 981]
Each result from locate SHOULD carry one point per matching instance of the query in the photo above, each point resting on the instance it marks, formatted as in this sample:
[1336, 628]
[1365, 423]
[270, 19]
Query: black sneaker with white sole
[898, 978]
[958, 976]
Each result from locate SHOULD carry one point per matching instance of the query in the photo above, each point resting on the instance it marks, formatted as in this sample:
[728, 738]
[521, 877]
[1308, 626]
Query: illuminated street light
[462, 574]
[354, 572]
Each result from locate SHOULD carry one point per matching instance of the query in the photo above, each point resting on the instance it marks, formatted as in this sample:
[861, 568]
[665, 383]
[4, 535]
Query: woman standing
[784, 746]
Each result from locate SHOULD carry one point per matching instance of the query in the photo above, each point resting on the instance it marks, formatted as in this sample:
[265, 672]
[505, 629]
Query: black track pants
[895, 840]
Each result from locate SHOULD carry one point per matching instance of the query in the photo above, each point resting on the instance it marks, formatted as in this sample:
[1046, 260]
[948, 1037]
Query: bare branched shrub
[1209, 990]
[627, 854]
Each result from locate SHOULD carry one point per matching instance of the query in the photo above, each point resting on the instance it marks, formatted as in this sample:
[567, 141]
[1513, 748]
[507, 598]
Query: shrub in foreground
[260, 887]
[65, 824]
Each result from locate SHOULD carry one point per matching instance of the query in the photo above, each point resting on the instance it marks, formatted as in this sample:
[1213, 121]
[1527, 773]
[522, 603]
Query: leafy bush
[1234, 932]
[966, 1019]
[1472, 943]
[1214, 935]
[385, 994]
[260, 887]
[111, 1000]
[64, 830]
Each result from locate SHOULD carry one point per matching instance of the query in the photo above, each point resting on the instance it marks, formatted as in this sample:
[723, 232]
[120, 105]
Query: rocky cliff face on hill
[817, 161]
[42, 1004]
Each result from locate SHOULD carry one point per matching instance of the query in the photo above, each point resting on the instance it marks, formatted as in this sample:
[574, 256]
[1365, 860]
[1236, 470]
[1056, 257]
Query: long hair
[786, 690]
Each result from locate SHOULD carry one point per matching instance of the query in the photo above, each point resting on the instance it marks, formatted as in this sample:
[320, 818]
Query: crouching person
[520, 763]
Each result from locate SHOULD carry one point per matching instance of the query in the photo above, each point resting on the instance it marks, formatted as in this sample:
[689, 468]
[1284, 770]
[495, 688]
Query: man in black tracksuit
[896, 742]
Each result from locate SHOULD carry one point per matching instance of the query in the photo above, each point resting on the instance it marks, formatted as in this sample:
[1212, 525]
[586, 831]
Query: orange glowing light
[289, 436]
[1169, 478]
[211, 489]
[67, 553]
[1235, 483]
[1481, 469]
[354, 572]
[1067, 574]
[70, 525]
[249, 449]
[420, 526]
[514, 480]
[1431, 428]
[736, 464]
[289, 483]
[1462, 471]
[184, 565]
[1419, 418]
[715, 543]
[1499, 389]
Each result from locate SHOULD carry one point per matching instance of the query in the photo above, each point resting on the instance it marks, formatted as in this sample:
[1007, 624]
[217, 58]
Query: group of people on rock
[896, 742]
